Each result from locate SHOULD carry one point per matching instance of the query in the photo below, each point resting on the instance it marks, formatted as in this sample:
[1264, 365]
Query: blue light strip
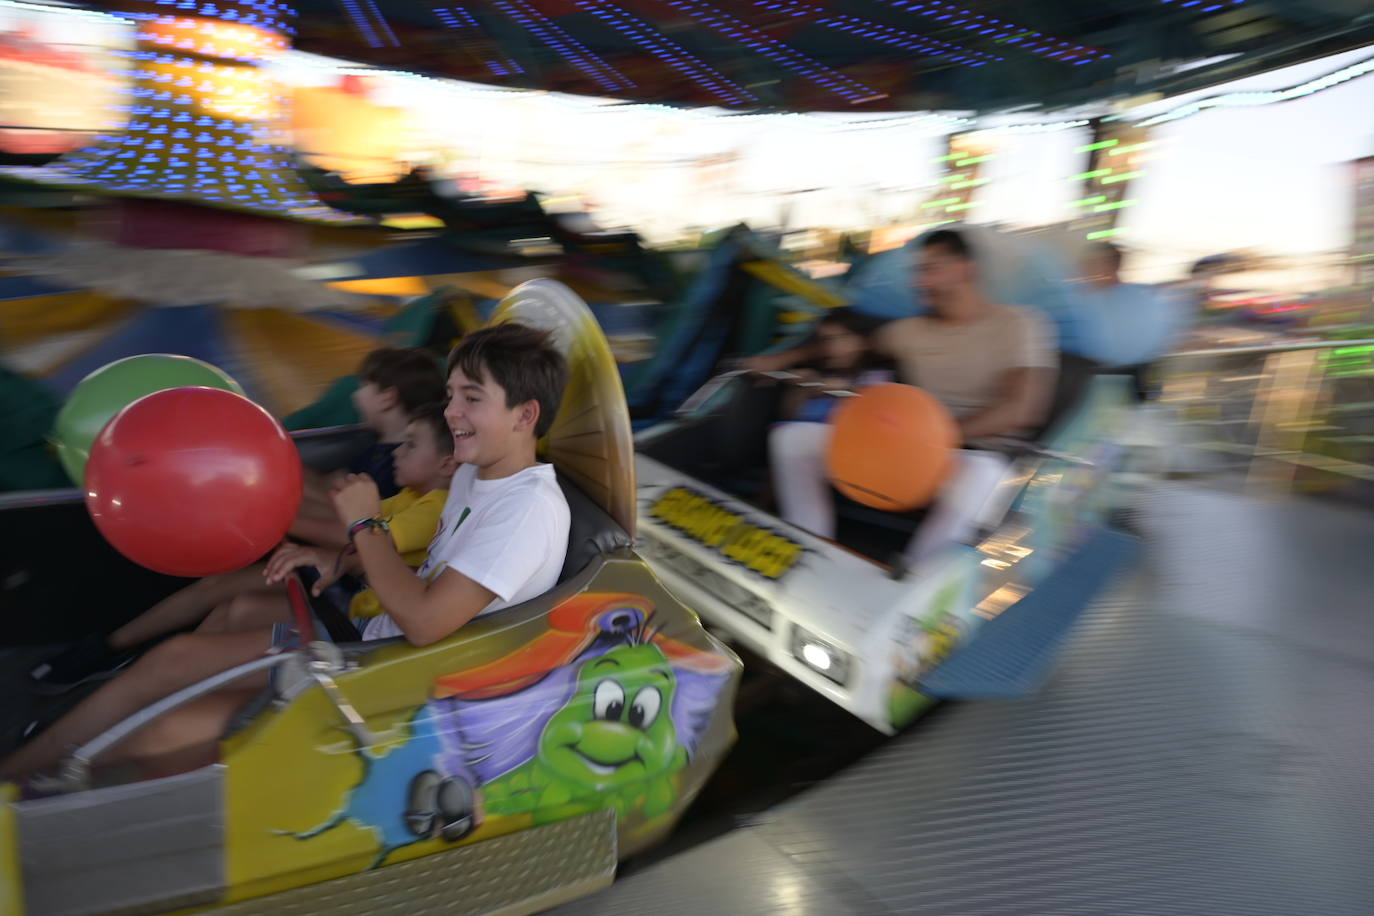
[864, 28]
[382, 23]
[848, 89]
[461, 20]
[360, 22]
[572, 50]
[949, 15]
[668, 51]
[271, 15]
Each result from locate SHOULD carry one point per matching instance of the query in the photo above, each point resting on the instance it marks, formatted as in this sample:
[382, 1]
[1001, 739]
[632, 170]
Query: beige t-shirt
[962, 364]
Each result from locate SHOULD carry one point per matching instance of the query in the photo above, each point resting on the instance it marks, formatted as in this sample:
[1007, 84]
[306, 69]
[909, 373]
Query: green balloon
[111, 388]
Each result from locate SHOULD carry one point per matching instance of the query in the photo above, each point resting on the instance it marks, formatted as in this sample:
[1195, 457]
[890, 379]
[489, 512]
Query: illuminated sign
[755, 548]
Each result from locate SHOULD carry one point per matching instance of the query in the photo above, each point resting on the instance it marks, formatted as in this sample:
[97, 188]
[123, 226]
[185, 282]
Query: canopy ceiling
[839, 55]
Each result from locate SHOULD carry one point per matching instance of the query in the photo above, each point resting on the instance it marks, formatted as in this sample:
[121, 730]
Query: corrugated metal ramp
[1206, 746]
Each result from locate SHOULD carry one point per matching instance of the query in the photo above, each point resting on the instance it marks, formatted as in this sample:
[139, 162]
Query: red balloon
[193, 481]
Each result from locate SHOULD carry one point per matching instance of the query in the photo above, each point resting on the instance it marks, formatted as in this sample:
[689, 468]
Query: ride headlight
[821, 656]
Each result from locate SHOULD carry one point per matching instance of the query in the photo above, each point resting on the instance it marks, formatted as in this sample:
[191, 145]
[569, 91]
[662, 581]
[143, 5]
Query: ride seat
[591, 530]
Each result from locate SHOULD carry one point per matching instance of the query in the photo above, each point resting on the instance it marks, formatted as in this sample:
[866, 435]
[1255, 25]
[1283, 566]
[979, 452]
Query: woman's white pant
[797, 454]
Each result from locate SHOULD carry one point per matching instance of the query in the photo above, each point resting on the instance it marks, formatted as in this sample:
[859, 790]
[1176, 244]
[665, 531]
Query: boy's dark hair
[414, 374]
[951, 241]
[522, 360]
[432, 415]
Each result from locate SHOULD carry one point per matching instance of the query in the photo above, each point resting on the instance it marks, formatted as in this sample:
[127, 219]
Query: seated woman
[845, 361]
[502, 540]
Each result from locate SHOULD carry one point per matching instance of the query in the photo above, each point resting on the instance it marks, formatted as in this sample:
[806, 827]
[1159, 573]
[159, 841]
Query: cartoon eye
[645, 708]
[609, 701]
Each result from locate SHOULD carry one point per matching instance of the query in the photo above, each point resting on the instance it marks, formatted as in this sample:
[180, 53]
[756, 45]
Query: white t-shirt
[508, 535]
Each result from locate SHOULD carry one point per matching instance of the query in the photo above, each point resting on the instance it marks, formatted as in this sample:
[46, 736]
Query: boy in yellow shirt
[424, 466]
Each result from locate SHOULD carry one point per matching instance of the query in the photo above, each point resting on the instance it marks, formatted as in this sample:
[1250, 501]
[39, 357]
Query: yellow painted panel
[11, 877]
[295, 358]
[795, 283]
[25, 321]
[385, 286]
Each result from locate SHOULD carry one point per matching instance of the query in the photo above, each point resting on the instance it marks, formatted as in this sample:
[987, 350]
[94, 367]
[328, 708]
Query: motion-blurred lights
[1252, 99]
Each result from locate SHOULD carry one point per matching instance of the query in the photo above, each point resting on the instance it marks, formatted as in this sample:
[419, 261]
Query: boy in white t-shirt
[504, 530]
[502, 539]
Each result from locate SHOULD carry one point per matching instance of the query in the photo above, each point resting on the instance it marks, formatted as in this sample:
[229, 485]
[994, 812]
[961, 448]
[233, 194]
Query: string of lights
[361, 23]
[864, 28]
[1210, 5]
[382, 23]
[850, 90]
[462, 21]
[949, 15]
[668, 51]
[569, 48]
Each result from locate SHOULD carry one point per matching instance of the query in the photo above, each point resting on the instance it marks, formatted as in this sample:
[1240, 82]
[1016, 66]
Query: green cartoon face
[616, 729]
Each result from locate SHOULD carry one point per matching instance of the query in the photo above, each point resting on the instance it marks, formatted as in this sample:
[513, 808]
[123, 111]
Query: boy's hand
[357, 498]
[290, 557]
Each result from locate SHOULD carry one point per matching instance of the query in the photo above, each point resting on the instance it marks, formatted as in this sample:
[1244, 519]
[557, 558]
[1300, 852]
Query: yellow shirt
[414, 518]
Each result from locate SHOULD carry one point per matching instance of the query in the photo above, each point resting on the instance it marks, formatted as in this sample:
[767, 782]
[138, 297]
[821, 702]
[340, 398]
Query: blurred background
[278, 191]
[369, 156]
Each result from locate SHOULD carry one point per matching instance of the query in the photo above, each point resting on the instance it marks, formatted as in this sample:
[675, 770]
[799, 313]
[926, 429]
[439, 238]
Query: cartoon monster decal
[600, 712]
[612, 745]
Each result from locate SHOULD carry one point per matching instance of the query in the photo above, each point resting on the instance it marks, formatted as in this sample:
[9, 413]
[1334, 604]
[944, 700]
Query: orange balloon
[892, 448]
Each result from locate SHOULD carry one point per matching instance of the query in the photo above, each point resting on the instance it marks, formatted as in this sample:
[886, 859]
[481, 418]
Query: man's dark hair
[951, 241]
[522, 360]
[1111, 252]
[414, 373]
[432, 415]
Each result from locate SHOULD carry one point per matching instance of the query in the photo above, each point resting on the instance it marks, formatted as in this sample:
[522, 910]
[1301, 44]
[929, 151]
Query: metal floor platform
[1206, 747]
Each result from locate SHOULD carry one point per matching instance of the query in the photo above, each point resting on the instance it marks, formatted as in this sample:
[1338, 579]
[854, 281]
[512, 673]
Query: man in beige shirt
[992, 365]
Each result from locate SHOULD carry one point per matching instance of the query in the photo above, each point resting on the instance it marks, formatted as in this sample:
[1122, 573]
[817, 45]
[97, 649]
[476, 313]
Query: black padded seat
[591, 530]
[333, 447]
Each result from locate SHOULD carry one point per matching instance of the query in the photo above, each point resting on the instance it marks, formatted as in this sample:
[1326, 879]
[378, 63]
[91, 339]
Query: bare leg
[186, 607]
[249, 611]
[176, 663]
[186, 738]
